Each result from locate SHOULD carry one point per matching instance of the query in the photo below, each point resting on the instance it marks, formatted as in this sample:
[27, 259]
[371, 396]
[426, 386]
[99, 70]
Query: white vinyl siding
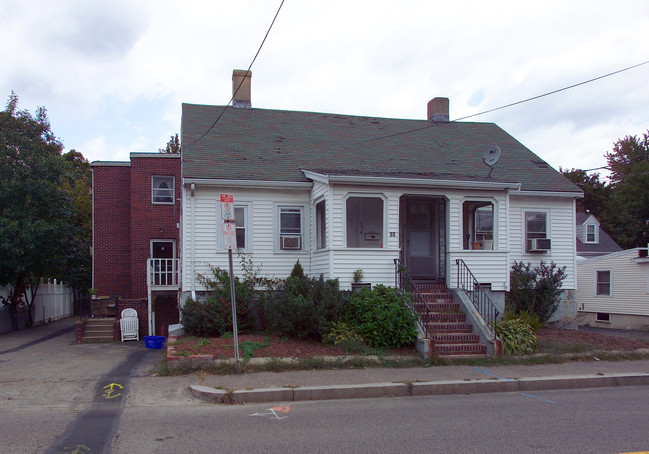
[263, 232]
[629, 280]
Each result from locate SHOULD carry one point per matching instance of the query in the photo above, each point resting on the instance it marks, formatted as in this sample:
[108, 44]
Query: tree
[77, 185]
[597, 193]
[628, 211]
[35, 231]
[173, 146]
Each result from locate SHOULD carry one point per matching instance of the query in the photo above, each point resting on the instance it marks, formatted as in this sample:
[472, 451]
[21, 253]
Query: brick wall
[126, 220]
[149, 221]
[111, 187]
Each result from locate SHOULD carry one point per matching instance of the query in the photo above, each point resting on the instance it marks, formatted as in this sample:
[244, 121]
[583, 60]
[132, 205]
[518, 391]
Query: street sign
[229, 235]
[227, 207]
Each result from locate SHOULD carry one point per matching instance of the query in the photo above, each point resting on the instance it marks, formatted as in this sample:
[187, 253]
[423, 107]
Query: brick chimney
[241, 89]
[438, 110]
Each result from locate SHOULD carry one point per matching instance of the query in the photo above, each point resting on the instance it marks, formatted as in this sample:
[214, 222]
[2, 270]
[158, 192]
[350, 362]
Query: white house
[341, 193]
[592, 240]
[614, 290]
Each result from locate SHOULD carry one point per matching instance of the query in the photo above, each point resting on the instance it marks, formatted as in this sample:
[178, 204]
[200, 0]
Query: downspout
[92, 247]
[193, 242]
[507, 240]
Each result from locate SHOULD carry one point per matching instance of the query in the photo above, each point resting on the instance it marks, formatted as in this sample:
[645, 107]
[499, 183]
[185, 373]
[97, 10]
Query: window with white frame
[478, 220]
[603, 282]
[241, 223]
[364, 222]
[321, 225]
[290, 228]
[162, 189]
[591, 233]
[536, 227]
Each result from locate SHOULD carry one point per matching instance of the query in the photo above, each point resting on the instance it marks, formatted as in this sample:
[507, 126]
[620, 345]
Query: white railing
[162, 272]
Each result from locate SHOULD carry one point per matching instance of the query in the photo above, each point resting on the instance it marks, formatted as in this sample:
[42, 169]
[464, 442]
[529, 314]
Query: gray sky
[113, 74]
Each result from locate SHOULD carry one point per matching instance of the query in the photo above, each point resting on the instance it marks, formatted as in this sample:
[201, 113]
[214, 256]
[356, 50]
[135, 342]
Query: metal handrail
[467, 282]
[403, 281]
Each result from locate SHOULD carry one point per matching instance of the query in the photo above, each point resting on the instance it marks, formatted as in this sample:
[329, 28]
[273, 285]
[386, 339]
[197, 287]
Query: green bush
[341, 333]
[304, 307]
[206, 318]
[382, 317]
[532, 320]
[218, 286]
[536, 290]
[517, 336]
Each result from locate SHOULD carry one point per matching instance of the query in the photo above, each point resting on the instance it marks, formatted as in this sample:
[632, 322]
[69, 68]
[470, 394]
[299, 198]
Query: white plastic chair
[129, 325]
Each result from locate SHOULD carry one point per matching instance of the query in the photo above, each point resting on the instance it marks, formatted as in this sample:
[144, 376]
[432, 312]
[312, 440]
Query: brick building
[136, 221]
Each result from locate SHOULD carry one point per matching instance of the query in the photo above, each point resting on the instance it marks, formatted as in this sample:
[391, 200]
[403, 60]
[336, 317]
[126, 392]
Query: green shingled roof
[276, 145]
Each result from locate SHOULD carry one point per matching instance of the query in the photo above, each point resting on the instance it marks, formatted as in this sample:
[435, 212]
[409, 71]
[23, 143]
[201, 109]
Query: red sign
[227, 207]
[229, 235]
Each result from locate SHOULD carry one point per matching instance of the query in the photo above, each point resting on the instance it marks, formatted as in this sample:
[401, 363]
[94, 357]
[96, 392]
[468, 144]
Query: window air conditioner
[539, 245]
[290, 242]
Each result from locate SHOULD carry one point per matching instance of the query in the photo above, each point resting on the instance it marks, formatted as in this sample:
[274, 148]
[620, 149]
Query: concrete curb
[411, 389]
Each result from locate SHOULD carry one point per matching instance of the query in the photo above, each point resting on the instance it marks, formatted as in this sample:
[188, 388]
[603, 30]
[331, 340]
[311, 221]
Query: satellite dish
[491, 157]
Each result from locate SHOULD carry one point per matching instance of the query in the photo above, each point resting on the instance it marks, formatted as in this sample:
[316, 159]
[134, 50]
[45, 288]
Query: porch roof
[278, 145]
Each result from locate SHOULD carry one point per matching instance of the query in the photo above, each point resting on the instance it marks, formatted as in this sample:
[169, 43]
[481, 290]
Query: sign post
[230, 242]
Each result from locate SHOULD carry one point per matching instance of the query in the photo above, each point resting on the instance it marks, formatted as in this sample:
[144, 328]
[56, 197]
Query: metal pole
[234, 315]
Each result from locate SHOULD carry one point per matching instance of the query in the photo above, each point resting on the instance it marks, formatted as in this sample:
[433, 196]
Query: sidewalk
[383, 382]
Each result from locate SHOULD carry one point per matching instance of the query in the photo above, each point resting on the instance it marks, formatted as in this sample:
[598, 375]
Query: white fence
[54, 300]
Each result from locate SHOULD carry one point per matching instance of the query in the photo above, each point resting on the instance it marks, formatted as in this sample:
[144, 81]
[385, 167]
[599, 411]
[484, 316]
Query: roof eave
[256, 184]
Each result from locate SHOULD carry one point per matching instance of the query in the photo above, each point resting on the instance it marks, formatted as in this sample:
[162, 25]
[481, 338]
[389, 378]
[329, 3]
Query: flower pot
[476, 245]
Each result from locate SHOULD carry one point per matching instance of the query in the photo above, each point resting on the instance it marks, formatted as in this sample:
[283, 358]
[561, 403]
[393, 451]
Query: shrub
[218, 286]
[341, 333]
[537, 290]
[517, 336]
[532, 320]
[382, 317]
[304, 307]
[206, 318]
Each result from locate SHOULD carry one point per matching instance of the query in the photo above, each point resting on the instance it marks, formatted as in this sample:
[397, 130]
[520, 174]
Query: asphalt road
[604, 420]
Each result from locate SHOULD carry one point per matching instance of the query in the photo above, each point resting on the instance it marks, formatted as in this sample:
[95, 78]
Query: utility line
[554, 91]
[244, 78]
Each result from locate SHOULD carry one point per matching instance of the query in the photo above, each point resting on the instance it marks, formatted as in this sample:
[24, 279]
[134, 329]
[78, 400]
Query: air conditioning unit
[539, 245]
[290, 242]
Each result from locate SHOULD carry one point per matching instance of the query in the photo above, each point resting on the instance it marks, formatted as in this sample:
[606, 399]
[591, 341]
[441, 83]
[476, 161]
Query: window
[240, 220]
[591, 233]
[478, 225]
[364, 222]
[321, 225]
[290, 228]
[603, 282]
[162, 190]
[535, 227]
[603, 317]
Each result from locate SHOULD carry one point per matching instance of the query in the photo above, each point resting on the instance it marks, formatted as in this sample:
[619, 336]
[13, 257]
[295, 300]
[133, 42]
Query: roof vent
[438, 110]
[241, 89]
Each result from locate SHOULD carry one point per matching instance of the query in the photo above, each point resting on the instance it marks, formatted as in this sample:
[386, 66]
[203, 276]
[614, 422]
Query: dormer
[588, 230]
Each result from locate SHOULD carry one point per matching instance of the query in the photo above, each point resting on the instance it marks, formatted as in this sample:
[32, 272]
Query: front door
[421, 250]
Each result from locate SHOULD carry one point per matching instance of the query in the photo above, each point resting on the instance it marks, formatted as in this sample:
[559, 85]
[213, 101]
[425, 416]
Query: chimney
[438, 110]
[241, 89]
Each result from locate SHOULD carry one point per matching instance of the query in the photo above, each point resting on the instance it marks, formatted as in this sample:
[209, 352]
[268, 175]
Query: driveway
[47, 380]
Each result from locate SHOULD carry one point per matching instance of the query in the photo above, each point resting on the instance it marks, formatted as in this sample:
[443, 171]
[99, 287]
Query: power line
[554, 91]
[243, 78]
[512, 104]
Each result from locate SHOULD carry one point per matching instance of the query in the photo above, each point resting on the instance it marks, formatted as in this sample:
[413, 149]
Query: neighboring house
[614, 290]
[341, 193]
[136, 241]
[592, 241]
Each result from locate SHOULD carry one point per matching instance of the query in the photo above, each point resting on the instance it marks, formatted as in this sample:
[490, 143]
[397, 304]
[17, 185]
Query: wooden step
[98, 330]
